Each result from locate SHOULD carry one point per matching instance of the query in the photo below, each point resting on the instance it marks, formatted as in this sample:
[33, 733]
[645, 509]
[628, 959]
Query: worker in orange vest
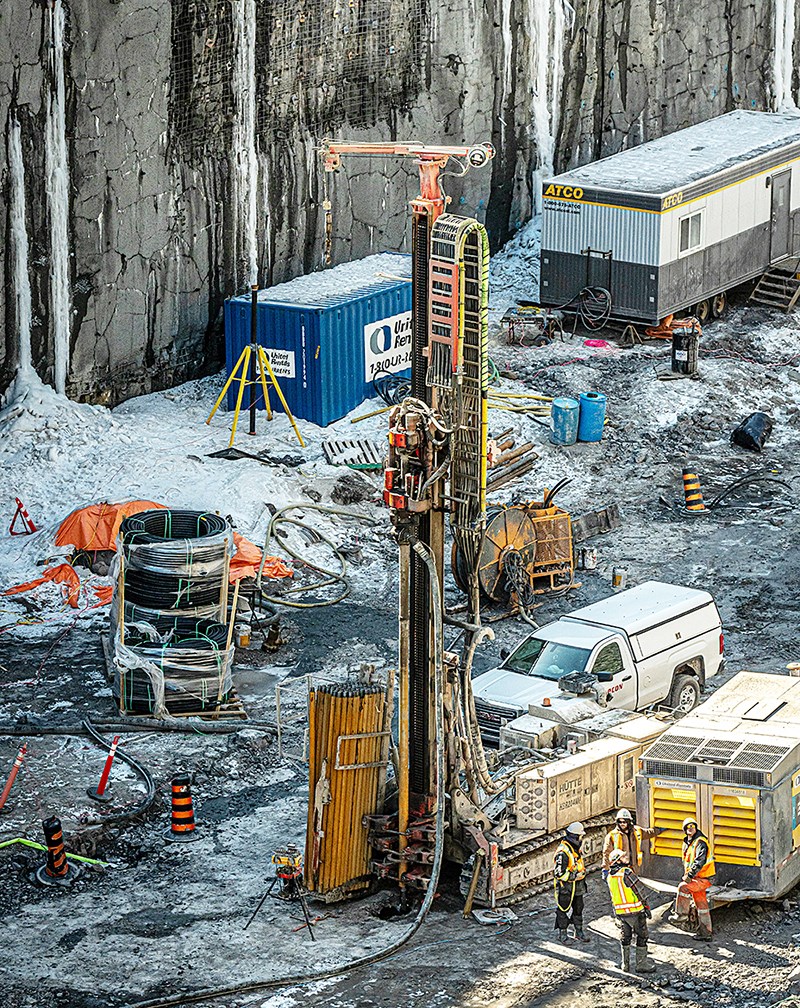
[569, 883]
[628, 838]
[698, 874]
[631, 909]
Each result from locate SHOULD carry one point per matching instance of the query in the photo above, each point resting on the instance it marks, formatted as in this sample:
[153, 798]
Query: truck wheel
[685, 695]
[719, 305]
[702, 311]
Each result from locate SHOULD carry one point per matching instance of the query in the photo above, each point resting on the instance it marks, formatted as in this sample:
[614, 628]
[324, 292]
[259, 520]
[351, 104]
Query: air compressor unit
[675, 223]
[734, 765]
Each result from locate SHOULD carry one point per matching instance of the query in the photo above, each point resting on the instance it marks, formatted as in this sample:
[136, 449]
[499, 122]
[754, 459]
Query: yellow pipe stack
[348, 751]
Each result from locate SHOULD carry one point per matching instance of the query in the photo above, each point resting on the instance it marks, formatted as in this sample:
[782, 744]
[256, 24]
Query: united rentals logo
[564, 191]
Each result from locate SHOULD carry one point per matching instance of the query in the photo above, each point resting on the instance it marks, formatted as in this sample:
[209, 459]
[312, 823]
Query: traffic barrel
[57, 870]
[692, 493]
[182, 827]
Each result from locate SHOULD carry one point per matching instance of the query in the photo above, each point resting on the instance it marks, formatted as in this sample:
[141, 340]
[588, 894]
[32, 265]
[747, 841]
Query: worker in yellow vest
[569, 883]
[631, 909]
[698, 874]
[628, 838]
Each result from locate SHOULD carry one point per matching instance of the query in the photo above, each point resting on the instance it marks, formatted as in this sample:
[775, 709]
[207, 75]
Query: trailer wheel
[719, 305]
[685, 694]
[702, 311]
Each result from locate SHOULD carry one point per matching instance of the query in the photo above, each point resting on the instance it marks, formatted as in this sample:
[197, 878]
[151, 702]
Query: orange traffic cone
[27, 521]
[692, 492]
[58, 870]
[182, 827]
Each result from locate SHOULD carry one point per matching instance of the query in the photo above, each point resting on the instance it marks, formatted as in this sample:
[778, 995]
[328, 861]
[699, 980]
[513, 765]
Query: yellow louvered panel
[736, 836]
[668, 808]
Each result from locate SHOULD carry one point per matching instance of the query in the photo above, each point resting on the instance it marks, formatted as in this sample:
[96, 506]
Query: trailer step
[779, 287]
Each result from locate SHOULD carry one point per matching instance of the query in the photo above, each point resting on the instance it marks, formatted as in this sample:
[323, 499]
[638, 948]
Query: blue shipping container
[327, 334]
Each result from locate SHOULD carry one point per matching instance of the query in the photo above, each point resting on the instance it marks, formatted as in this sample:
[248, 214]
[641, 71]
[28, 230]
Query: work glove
[661, 829]
[648, 912]
[605, 873]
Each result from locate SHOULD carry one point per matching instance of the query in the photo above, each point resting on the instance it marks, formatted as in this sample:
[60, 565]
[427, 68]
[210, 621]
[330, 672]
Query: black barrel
[685, 347]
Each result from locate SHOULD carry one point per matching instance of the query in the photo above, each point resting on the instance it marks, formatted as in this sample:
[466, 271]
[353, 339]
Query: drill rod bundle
[348, 753]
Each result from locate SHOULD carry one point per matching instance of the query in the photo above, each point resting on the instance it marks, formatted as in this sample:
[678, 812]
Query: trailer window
[547, 659]
[690, 232]
[609, 660]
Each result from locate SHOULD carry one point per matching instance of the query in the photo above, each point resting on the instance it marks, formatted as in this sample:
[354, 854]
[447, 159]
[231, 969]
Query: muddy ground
[163, 919]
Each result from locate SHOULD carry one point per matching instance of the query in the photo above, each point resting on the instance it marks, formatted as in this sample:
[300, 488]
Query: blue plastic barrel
[593, 416]
[564, 421]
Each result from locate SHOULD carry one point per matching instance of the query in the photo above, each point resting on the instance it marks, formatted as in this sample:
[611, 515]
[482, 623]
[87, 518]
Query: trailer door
[780, 245]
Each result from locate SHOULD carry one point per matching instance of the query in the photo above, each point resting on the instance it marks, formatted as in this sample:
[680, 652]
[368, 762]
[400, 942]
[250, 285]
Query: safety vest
[576, 869]
[617, 836]
[690, 853]
[623, 897]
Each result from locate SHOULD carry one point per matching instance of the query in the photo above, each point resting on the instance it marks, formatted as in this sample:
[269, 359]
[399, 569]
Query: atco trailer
[734, 764]
[676, 222]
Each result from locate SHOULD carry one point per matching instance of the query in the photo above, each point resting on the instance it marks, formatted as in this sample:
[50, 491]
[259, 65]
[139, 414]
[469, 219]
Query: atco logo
[673, 200]
[380, 339]
[564, 191]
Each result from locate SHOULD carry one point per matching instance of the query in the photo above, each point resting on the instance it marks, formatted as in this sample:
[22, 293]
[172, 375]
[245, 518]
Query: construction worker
[631, 909]
[698, 874]
[628, 838]
[569, 882]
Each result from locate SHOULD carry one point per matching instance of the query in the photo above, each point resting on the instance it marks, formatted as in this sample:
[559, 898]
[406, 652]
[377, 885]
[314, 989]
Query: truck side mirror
[605, 676]
[504, 653]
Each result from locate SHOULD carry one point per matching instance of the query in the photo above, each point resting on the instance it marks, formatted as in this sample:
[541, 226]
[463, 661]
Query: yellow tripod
[254, 362]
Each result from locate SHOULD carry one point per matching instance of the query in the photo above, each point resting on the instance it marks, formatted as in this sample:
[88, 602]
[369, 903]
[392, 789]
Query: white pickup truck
[656, 643]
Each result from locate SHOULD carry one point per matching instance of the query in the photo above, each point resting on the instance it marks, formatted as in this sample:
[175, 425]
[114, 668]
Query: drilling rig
[448, 800]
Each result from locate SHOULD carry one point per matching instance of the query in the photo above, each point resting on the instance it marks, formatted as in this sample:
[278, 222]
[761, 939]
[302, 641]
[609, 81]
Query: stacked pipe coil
[171, 648]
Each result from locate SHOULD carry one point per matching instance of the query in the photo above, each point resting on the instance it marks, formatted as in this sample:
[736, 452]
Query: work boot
[580, 935]
[563, 936]
[642, 964]
[625, 965]
[703, 934]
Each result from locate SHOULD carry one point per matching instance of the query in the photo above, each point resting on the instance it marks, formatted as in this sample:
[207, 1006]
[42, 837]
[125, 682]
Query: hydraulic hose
[175, 1001]
[329, 577]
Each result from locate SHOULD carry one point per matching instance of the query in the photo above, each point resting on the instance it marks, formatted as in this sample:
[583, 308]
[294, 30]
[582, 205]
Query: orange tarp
[95, 527]
[245, 561]
[64, 574]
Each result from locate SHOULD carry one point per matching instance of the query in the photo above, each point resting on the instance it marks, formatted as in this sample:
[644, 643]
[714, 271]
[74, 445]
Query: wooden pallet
[355, 453]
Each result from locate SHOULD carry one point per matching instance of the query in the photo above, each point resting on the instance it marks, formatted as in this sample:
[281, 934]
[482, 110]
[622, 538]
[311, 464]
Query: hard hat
[624, 814]
[576, 829]
[617, 856]
[689, 820]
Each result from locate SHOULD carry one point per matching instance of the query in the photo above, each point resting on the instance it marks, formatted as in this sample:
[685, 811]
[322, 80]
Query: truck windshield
[546, 659]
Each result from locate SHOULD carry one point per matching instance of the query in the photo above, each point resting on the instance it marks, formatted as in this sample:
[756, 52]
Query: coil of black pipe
[165, 525]
[155, 590]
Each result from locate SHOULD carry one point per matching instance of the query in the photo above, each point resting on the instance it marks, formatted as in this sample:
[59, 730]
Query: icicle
[19, 238]
[782, 65]
[57, 188]
[549, 20]
[245, 143]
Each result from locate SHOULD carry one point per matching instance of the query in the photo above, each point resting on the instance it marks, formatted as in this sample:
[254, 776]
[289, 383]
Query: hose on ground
[132, 725]
[258, 985]
[329, 578]
[744, 482]
[136, 766]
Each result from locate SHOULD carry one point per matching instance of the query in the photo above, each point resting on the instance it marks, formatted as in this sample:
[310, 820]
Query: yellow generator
[733, 764]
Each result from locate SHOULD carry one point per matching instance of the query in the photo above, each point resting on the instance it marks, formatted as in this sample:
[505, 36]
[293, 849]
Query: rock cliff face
[191, 126]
